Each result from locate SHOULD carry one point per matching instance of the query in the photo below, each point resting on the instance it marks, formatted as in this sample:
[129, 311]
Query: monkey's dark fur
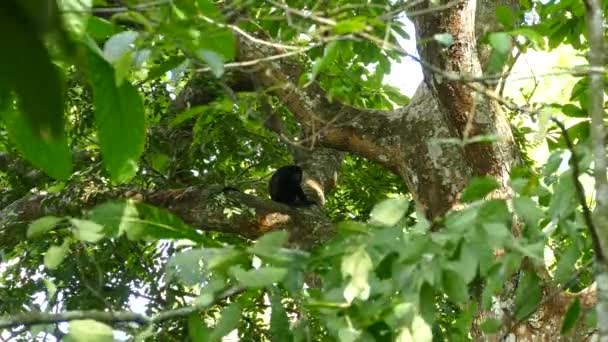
[286, 187]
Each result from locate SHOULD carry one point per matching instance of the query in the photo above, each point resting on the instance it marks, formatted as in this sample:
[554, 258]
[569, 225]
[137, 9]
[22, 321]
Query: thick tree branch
[202, 207]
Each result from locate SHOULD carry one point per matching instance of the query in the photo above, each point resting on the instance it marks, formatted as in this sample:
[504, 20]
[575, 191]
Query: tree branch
[35, 318]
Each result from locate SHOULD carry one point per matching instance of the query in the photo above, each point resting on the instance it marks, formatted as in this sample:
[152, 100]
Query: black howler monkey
[286, 187]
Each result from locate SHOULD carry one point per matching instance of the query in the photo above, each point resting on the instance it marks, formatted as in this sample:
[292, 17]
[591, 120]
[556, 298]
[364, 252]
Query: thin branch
[35, 318]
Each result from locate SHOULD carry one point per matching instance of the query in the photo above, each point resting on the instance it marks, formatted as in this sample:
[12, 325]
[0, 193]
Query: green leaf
[228, 322]
[427, 303]
[352, 25]
[478, 188]
[500, 42]
[566, 265]
[357, 266]
[571, 316]
[265, 276]
[527, 296]
[119, 217]
[99, 28]
[501, 46]
[279, 323]
[505, 15]
[55, 255]
[564, 199]
[455, 286]
[119, 117]
[197, 329]
[269, 244]
[26, 67]
[86, 230]
[528, 210]
[118, 45]
[186, 266]
[220, 259]
[52, 156]
[490, 325]
[162, 68]
[444, 39]
[88, 330]
[467, 264]
[389, 211]
[214, 60]
[161, 224]
[42, 225]
[574, 111]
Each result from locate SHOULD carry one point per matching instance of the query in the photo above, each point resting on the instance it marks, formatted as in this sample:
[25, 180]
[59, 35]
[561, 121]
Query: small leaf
[42, 225]
[197, 329]
[86, 230]
[444, 39]
[265, 276]
[490, 325]
[228, 322]
[478, 188]
[88, 330]
[389, 211]
[55, 255]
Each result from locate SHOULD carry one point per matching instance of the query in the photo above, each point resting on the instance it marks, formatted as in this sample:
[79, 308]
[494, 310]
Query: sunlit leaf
[42, 225]
[357, 266]
[88, 330]
[389, 211]
[55, 255]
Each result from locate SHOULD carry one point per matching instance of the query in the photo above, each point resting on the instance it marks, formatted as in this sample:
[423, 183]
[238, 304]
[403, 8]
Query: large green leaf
[51, 156]
[120, 120]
